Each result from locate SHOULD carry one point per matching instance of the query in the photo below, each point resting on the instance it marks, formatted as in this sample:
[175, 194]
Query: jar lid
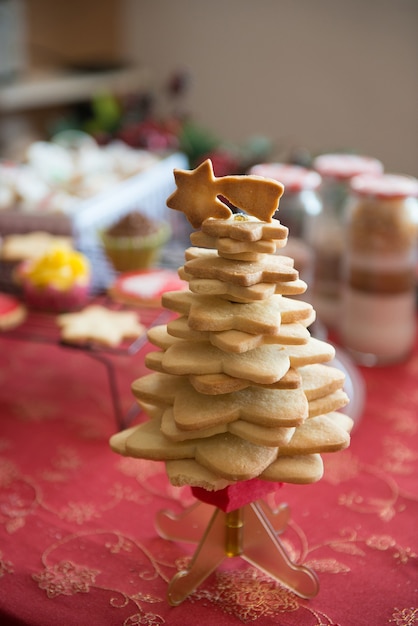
[345, 166]
[293, 177]
[385, 186]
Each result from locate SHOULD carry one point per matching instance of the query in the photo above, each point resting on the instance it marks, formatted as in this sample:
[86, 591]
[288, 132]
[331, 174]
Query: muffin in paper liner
[135, 242]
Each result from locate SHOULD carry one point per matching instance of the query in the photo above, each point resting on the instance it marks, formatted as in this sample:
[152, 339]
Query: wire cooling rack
[41, 327]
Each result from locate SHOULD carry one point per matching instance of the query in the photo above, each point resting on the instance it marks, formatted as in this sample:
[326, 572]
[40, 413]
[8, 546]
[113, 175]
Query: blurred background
[307, 76]
[100, 100]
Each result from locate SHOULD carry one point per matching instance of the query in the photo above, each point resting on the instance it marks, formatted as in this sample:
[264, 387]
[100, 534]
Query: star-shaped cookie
[263, 365]
[214, 384]
[198, 191]
[265, 407]
[237, 340]
[233, 457]
[270, 269]
[98, 324]
[245, 228]
[260, 435]
[302, 469]
[27, 246]
[196, 195]
[228, 246]
[239, 293]
[215, 314]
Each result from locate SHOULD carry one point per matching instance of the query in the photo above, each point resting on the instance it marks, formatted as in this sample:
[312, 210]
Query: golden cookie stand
[250, 532]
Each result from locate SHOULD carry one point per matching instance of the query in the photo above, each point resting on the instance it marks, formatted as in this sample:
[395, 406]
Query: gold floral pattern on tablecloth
[405, 617]
[65, 578]
[6, 567]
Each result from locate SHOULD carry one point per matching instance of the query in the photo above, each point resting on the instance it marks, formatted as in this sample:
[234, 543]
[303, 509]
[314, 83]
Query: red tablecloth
[78, 543]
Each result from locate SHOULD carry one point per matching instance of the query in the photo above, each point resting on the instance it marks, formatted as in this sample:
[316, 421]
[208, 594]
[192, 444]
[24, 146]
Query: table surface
[78, 539]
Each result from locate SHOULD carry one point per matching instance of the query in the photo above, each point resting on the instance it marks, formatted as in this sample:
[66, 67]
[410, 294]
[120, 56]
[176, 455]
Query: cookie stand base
[222, 529]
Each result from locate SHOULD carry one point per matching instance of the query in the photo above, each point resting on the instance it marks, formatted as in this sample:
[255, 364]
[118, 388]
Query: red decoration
[236, 496]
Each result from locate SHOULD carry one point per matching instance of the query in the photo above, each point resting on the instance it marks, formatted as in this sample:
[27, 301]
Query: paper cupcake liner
[137, 252]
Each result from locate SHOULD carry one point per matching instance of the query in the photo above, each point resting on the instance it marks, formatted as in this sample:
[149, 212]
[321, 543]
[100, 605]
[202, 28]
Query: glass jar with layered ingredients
[326, 229]
[378, 313]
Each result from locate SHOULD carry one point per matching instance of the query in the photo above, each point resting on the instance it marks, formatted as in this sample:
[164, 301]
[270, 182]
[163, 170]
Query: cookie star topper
[198, 194]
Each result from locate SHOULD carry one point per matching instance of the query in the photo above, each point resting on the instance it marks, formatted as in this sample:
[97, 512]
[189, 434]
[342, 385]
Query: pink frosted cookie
[12, 312]
[145, 287]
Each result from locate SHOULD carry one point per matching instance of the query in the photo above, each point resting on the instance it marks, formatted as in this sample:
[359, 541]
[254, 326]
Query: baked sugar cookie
[98, 324]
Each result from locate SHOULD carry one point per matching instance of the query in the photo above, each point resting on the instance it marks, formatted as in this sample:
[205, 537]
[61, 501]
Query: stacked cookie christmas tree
[239, 388]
